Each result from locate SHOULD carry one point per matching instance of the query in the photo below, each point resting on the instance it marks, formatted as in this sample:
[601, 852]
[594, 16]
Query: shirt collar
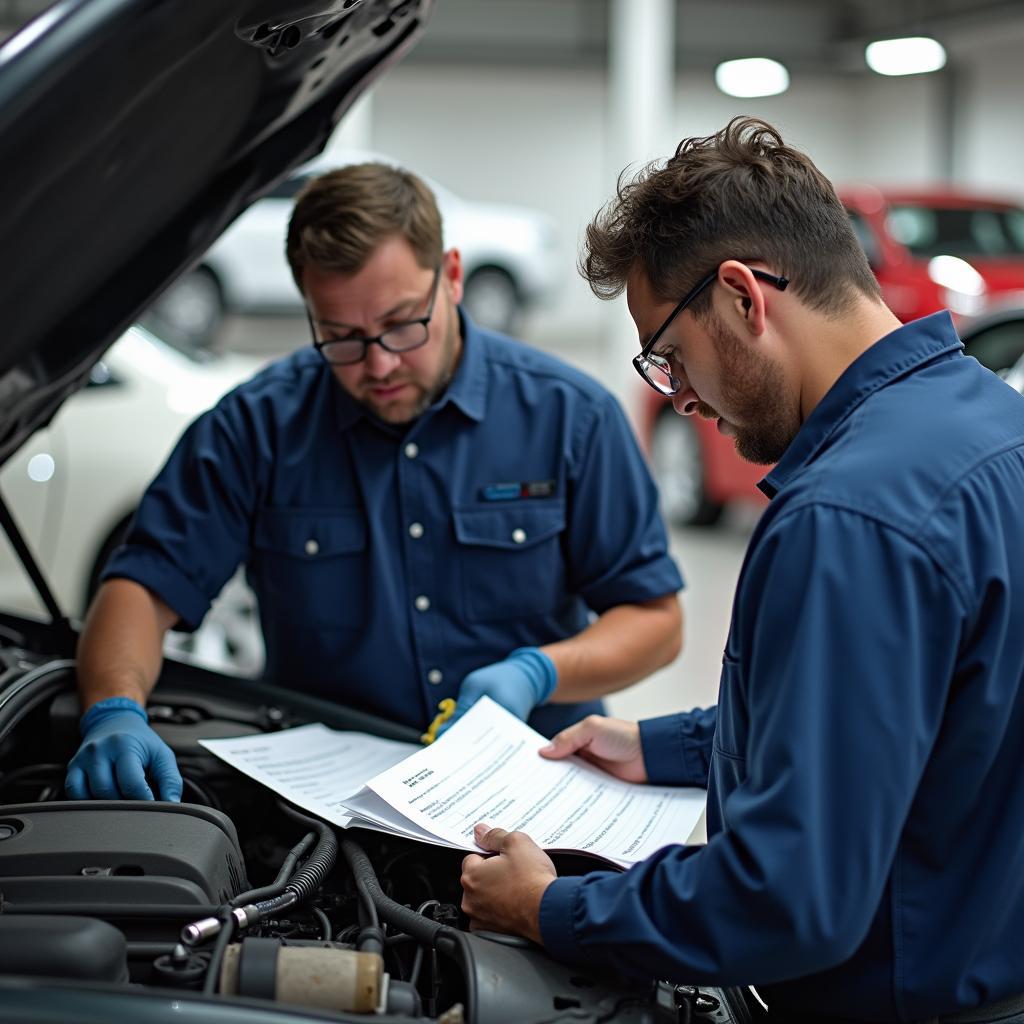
[893, 356]
[467, 390]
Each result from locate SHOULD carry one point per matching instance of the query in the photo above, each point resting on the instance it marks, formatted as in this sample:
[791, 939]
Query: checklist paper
[486, 767]
[312, 766]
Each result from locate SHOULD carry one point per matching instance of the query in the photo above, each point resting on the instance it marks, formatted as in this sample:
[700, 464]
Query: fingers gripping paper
[487, 768]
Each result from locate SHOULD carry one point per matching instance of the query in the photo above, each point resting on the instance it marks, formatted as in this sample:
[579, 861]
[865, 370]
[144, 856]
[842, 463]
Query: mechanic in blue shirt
[865, 854]
[424, 509]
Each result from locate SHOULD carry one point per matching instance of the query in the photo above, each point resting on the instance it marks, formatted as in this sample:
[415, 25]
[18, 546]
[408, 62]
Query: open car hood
[131, 133]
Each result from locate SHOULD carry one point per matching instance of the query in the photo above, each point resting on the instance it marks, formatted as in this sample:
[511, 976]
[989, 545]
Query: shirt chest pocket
[728, 757]
[731, 727]
[510, 560]
[309, 565]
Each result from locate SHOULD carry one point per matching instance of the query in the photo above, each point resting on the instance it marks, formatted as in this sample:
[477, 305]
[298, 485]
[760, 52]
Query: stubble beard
[753, 389]
[427, 394]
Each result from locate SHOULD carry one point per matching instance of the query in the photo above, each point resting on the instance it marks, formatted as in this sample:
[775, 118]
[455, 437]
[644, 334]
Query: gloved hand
[118, 748]
[526, 678]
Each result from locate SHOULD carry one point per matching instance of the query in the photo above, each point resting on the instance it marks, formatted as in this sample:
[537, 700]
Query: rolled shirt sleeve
[616, 538]
[193, 525]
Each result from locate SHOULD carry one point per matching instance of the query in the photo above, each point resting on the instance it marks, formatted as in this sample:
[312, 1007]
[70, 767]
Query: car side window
[997, 347]
[866, 237]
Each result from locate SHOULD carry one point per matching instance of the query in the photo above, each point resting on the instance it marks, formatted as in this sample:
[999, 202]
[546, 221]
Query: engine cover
[117, 854]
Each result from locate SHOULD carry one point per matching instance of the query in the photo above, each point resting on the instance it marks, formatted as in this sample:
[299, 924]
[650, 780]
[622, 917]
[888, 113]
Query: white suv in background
[73, 485]
[510, 256]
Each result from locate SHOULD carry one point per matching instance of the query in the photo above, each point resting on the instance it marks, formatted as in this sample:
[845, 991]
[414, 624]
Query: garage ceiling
[805, 34]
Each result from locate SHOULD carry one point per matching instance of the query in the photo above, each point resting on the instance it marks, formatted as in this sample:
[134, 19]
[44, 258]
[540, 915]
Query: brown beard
[444, 376]
[753, 389]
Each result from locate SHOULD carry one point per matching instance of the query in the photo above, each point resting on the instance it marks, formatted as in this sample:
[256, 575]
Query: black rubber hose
[367, 908]
[276, 887]
[393, 913]
[314, 872]
[227, 930]
[449, 940]
[308, 879]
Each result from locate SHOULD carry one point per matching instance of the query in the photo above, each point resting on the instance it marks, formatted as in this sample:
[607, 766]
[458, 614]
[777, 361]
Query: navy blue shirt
[389, 562]
[865, 804]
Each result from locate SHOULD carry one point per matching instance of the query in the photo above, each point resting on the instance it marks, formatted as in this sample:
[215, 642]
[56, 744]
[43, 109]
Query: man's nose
[380, 362]
[685, 401]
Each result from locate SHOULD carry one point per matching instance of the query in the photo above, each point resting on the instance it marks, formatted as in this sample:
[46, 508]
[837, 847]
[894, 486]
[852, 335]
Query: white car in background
[74, 485]
[510, 257]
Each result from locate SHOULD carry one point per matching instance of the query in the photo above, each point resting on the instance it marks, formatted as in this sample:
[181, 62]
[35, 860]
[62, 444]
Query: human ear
[451, 270]
[745, 295]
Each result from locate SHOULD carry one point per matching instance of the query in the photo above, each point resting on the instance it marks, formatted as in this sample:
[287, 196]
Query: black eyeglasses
[403, 337]
[656, 369]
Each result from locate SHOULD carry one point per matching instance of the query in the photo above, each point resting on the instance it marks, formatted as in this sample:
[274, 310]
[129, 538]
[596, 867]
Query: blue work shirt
[865, 857]
[390, 562]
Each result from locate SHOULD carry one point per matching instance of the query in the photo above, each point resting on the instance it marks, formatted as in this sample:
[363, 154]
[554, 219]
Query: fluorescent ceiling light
[752, 76]
[911, 56]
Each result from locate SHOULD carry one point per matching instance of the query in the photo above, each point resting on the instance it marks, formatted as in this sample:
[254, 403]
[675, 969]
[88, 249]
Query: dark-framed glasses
[656, 369]
[403, 337]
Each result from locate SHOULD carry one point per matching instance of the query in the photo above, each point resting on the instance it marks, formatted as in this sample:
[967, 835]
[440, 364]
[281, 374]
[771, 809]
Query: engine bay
[233, 899]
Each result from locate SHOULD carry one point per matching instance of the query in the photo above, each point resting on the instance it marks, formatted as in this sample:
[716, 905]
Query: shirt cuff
[155, 573]
[668, 759]
[556, 913]
[644, 582]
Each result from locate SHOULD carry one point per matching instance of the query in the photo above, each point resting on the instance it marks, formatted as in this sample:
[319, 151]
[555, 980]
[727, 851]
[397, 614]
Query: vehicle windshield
[934, 231]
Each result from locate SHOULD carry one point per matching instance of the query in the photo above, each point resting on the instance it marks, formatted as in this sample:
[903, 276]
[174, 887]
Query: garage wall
[538, 137]
[992, 150]
[533, 138]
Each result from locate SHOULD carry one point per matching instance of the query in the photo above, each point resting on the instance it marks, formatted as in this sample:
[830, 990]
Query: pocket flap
[310, 533]
[511, 527]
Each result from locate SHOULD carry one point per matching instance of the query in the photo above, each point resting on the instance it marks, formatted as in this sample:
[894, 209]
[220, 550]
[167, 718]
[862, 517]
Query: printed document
[312, 766]
[485, 768]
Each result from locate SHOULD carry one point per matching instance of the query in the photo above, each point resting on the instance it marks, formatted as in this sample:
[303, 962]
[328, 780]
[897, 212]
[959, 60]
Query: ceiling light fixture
[914, 55]
[752, 76]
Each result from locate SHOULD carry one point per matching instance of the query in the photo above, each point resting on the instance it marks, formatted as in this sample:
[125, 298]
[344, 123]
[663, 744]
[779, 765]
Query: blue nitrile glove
[118, 748]
[526, 678]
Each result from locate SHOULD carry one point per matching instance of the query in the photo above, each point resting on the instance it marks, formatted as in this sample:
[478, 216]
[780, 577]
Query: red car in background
[697, 469]
[938, 248]
[930, 249]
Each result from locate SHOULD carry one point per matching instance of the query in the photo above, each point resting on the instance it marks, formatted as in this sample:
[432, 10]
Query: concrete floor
[709, 558]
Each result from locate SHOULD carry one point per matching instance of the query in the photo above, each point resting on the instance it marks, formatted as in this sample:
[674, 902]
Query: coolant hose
[449, 940]
[393, 913]
[308, 879]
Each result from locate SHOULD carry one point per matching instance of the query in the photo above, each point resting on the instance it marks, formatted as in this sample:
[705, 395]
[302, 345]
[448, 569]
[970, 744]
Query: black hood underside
[132, 132]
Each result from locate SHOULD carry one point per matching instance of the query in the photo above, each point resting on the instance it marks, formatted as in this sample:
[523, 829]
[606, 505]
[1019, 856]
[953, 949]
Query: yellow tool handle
[447, 709]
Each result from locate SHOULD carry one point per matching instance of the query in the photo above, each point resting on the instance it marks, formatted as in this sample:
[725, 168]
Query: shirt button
[412, 450]
[312, 547]
[422, 603]
[518, 535]
[415, 530]
[435, 675]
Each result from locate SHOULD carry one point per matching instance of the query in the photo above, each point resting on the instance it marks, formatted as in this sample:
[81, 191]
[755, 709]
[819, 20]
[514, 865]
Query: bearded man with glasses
[425, 509]
[865, 852]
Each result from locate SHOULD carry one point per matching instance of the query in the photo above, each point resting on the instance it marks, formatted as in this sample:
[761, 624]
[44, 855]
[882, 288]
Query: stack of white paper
[485, 768]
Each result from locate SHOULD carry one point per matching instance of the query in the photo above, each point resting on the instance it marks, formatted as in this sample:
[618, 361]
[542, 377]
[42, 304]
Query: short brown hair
[342, 216]
[738, 194]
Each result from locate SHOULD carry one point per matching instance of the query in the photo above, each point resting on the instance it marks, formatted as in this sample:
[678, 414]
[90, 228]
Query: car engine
[235, 899]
